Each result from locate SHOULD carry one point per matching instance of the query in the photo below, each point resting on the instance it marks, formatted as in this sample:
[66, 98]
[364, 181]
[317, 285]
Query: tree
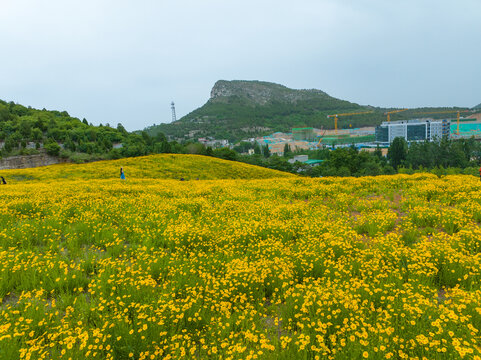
[397, 152]
[225, 153]
[209, 151]
[10, 144]
[69, 144]
[52, 148]
[339, 158]
[243, 147]
[287, 150]
[195, 148]
[26, 129]
[5, 115]
[370, 168]
[279, 163]
[121, 128]
[165, 147]
[266, 151]
[421, 154]
[146, 137]
[37, 134]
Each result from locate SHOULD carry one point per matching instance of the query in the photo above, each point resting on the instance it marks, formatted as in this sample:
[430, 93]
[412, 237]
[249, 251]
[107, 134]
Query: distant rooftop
[313, 161]
[412, 121]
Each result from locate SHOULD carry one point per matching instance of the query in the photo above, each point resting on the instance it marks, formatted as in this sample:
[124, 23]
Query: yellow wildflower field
[384, 267]
[162, 166]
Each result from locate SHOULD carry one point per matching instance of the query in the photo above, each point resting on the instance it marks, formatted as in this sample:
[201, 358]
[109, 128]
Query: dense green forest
[236, 112]
[26, 131]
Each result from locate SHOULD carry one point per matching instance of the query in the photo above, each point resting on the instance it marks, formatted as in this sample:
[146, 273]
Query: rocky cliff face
[30, 161]
[261, 92]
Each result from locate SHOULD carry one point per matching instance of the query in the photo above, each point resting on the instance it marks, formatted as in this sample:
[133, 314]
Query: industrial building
[412, 130]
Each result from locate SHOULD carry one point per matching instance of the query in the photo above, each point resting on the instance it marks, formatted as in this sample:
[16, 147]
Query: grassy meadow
[245, 263]
[164, 166]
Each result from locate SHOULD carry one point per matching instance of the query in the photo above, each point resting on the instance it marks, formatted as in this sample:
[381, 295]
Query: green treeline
[462, 156]
[441, 157]
[27, 131]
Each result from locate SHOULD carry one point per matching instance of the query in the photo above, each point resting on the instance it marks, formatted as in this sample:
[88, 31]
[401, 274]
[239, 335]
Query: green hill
[241, 109]
[28, 131]
[161, 166]
[477, 107]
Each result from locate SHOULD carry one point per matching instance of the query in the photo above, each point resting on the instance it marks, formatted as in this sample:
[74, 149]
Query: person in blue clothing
[122, 175]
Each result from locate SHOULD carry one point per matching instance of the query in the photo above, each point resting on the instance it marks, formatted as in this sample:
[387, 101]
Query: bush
[403, 170]
[226, 154]
[80, 158]
[388, 170]
[114, 154]
[28, 152]
[65, 154]
[52, 148]
[471, 171]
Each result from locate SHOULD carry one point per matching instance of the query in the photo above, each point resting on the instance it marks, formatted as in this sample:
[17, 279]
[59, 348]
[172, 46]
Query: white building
[412, 130]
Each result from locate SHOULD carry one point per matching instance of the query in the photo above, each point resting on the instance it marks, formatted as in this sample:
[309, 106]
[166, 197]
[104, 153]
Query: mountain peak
[241, 109]
[260, 92]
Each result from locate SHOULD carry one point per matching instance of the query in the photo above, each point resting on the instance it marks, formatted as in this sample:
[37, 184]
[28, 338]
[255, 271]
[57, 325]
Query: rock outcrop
[261, 92]
[29, 161]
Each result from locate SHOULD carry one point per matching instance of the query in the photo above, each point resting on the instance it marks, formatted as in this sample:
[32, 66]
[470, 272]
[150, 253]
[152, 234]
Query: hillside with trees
[28, 131]
[242, 109]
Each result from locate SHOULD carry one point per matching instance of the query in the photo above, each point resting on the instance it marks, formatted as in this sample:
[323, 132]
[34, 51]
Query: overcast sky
[124, 61]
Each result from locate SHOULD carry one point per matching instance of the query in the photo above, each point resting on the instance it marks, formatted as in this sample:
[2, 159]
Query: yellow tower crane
[335, 116]
[393, 112]
[458, 112]
[321, 135]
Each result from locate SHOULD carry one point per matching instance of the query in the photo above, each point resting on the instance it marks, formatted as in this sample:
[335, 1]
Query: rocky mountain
[264, 93]
[240, 109]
